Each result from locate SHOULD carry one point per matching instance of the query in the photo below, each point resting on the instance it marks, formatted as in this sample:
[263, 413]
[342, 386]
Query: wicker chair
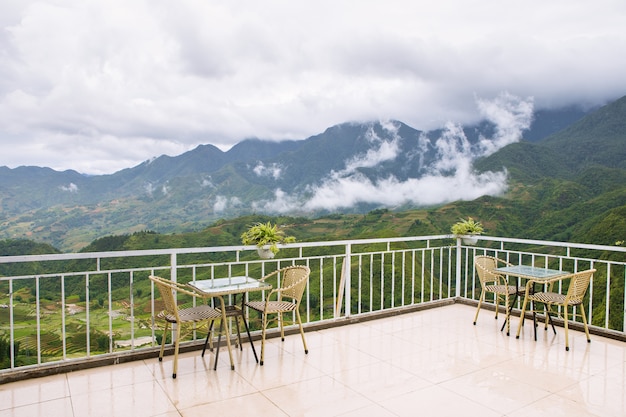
[579, 282]
[183, 318]
[294, 281]
[493, 282]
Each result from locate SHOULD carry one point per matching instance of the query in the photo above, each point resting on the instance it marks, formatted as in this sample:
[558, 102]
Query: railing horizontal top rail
[241, 248]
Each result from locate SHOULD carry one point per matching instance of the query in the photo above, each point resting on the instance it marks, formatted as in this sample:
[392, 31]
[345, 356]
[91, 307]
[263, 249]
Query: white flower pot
[470, 240]
[265, 252]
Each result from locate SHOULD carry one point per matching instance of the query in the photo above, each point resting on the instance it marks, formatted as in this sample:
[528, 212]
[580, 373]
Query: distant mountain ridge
[192, 190]
[596, 140]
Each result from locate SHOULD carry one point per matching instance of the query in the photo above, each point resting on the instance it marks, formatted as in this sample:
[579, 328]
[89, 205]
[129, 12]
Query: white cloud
[511, 115]
[450, 177]
[384, 150]
[72, 188]
[347, 192]
[206, 182]
[223, 203]
[453, 149]
[272, 171]
[281, 203]
[98, 86]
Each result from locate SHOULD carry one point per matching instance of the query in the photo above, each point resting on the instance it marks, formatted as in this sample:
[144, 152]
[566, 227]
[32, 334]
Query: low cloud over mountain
[350, 167]
[447, 176]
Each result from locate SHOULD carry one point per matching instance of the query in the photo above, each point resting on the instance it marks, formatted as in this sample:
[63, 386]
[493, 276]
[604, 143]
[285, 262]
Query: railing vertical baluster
[623, 303]
[110, 312]
[87, 314]
[38, 312]
[459, 256]
[348, 280]
[432, 274]
[11, 326]
[63, 327]
[608, 295]
[321, 292]
[423, 270]
[335, 289]
[360, 283]
[132, 311]
[382, 281]
[413, 260]
[403, 277]
[371, 282]
[393, 280]
[308, 293]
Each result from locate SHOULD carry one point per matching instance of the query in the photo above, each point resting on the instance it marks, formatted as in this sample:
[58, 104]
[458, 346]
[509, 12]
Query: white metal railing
[70, 307]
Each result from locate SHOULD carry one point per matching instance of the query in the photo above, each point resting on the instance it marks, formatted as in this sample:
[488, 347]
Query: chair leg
[219, 339]
[522, 315]
[176, 350]
[534, 320]
[264, 329]
[480, 301]
[306, 350]
[238, 332]
[508, 312]
[549, 320]
[245, 322]
[496, 300]
[208, 339]
[566, 319]
[584, 317]
[280, 323]
[163, 338]
[507, 315]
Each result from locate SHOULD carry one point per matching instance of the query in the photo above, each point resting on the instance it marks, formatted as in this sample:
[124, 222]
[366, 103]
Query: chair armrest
[282, 289]
[271, 274]
[503, 262]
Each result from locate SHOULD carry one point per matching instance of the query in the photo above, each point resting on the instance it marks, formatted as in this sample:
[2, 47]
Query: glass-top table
[532, 275]
[233, 285]
[220, 287]
[532, 272]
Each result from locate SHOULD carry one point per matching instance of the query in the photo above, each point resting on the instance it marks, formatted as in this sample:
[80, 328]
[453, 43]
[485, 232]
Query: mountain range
[349, 168]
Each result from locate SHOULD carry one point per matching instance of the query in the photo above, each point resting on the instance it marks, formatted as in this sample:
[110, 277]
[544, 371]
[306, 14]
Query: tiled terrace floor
[431, 363]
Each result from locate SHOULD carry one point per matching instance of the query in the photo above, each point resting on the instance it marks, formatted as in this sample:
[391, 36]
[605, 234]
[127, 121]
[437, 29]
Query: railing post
[344, 282]
[347, 271]
[174, 266]
[457, 290]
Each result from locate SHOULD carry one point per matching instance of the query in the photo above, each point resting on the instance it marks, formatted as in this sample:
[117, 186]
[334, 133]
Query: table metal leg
[245, 323]
[206, 342]
[223, 328]
[523, 313]
[508, 315]
[509, 309]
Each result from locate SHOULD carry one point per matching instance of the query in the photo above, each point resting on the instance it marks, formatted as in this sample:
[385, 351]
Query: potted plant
[468, 228]
[266, 236]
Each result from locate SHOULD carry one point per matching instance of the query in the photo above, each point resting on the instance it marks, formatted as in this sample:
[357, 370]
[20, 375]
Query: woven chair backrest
[166, 289]
[578, 286]
[294, 280]
[485, 267]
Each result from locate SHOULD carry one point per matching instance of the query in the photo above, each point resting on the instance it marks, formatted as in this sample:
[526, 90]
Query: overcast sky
[98, 86]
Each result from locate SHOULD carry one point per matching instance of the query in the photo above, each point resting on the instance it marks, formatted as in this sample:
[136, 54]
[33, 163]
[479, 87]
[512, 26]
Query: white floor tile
[431, 362]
